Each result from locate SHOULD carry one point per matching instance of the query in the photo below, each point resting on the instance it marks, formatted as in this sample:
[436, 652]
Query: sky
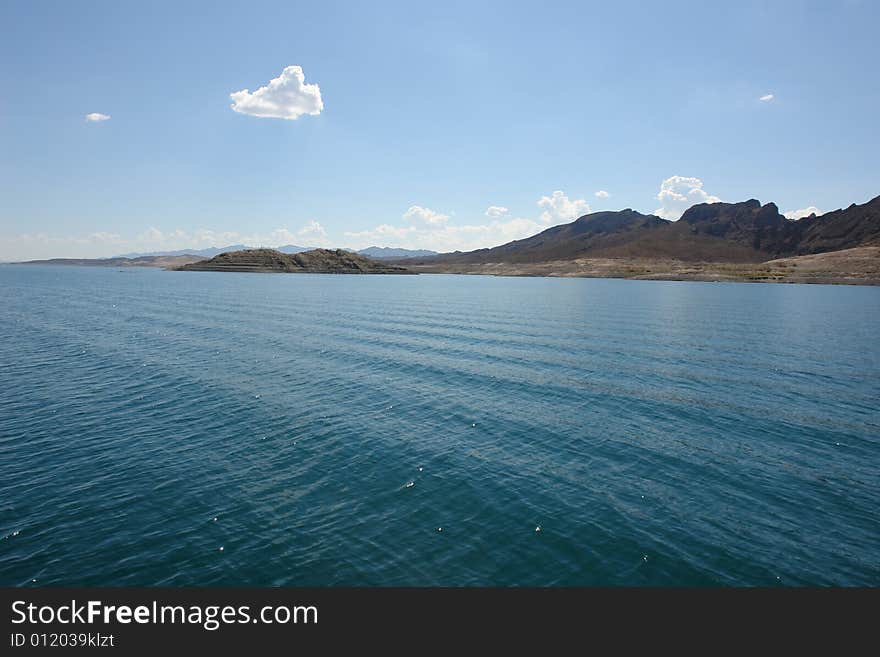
[132, 126]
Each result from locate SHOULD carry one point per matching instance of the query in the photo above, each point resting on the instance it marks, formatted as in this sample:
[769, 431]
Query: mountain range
[375, 252]
[745, 232]
[745, 241]
[386, 252]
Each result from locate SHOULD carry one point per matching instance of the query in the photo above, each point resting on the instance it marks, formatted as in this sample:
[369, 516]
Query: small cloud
[678, 193]
[602, 194]
[385, 233]
[496, 211]
[559, 208]
[802, 213]
[312, 228]
[105, 238]
[314, 234]
[418, 215]
[285, 97]
[97, 116]
[766, 99]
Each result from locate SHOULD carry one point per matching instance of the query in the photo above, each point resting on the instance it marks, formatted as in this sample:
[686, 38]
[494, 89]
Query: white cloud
[678, 193]
[767, 98]
[97, 116]
[154, 239]
[803, 212]
[388, 234]
[313, 234]
[418, 215]
[559, 208]
[446, 237]
[285, 97]
[103, 244]
[496, 211]
[602, 194]
[425, 228]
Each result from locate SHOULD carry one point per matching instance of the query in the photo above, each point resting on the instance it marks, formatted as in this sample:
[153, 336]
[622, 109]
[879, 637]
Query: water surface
[323, 429]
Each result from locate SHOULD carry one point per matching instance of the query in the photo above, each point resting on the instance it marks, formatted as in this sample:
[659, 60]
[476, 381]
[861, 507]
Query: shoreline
[840, 282]
[858, 266]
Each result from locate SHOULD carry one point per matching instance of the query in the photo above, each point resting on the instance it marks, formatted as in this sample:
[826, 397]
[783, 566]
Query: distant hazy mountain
[207, 253]
[371, 252]
[212, 251]
[140, 261]
[380, 252]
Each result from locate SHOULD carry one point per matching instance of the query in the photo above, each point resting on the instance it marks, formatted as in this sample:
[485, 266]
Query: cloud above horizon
[558, 208]
[496, 211]
[94, 117]
[419, 216]
[425, 228]
[446, 237]
[802, 213]
[34, 246]
[285, 97]
[420, 227]
[678, 193]
[312, 234]
[767, 98]
[601, 194]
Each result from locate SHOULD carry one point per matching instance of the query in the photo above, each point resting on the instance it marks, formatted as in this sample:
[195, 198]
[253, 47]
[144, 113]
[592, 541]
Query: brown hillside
[316, 261]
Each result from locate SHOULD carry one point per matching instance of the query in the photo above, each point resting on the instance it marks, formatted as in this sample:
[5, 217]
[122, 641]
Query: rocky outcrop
[857, 225]
[749, 224]
[316, 261]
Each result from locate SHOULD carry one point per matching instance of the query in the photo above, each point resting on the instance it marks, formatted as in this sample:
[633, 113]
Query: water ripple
[164, 428]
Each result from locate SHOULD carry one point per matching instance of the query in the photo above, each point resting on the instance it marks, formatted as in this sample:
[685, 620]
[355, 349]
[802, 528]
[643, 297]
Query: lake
[186, 428]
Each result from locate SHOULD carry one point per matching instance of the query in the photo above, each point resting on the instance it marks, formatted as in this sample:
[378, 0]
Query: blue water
[321, 429]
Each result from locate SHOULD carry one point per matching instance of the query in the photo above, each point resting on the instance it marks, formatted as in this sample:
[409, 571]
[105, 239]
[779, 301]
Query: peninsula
[159, 261]
[316, 261]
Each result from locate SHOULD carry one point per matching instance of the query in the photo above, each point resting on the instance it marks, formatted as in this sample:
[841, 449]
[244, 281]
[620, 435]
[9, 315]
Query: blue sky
[432, 113]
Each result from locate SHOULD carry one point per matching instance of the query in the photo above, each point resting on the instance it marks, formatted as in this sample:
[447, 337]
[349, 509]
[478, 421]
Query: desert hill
[316, 261]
